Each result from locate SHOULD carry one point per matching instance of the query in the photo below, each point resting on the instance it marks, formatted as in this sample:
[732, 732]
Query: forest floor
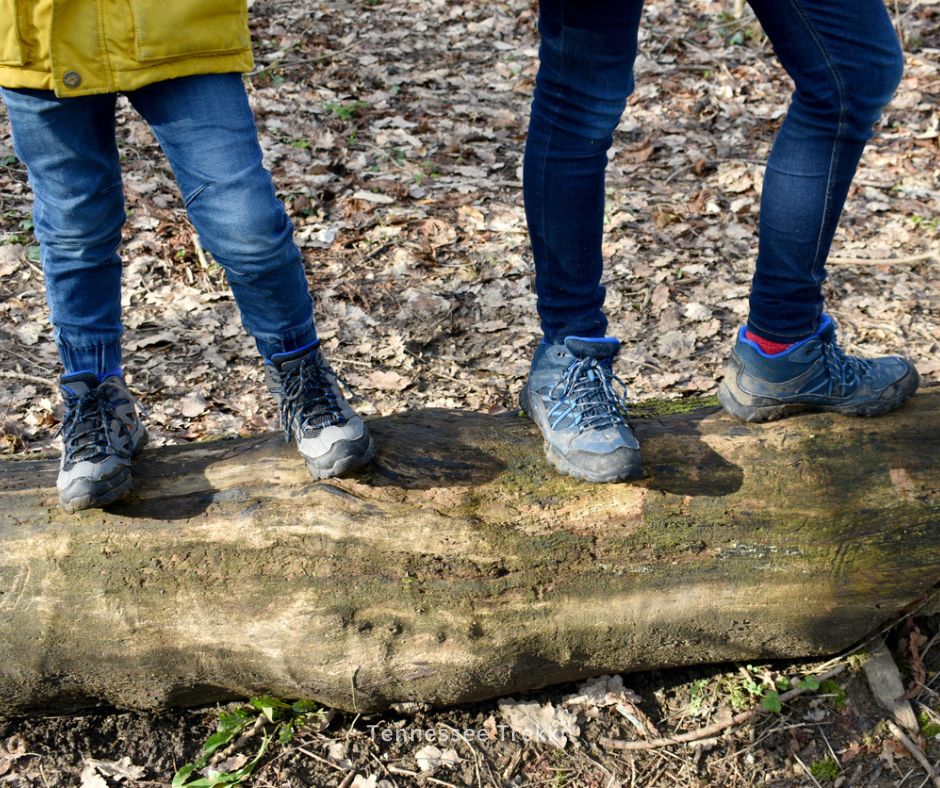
[394, 130]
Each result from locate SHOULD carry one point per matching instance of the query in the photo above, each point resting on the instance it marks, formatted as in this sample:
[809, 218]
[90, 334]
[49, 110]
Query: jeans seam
[70, 346]
[543, 157]
[840, 128]
[189, 200]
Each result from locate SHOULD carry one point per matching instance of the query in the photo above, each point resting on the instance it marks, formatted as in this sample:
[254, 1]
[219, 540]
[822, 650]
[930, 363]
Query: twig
[320, 758]
[711, 730]
[51, 384]
[200, 252]
[517, 757]
[410, 773]
[808, 771]
[236, 745]
[914, 750]
[476, 757]
[933, 641]
[936, 767]
[917, 258]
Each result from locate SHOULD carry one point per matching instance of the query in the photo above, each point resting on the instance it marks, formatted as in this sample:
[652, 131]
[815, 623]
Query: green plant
[922, 221]
[279, 718]
[428, 170]
[834, 689]
[825, 769]
[927, 726]
[697, 696]
[810, 683]
[771, 701]
[746, 687]
[344, 111]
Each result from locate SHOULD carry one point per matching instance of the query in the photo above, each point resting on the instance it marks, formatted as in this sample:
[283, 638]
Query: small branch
[50, 384]
[712, 730]
[914, 750]
[409, 773]
[917, 258]
[242, 739]
[807, 771]
[200, 252]
[324, 761]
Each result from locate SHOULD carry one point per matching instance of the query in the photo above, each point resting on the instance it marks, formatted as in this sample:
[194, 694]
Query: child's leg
[585, 76]
[845, 61]
[206, 128]
[69, 151]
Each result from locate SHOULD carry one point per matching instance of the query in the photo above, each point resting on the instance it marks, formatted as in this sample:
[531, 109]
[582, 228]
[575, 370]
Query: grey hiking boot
[327, 431]
[570, 394]
[814, 374]
[101, 432]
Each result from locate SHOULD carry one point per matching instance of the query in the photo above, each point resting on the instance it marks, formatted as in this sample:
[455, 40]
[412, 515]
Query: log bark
[461, 566]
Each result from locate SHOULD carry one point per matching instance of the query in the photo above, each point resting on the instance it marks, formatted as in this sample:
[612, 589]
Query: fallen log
[460, 566]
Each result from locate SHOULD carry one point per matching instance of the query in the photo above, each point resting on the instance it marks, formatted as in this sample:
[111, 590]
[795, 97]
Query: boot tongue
[827, 329]
[285, 362]
[588, 347]
[79, 383]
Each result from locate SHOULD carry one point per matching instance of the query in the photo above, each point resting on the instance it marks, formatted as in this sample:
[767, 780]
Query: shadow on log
[460, 566]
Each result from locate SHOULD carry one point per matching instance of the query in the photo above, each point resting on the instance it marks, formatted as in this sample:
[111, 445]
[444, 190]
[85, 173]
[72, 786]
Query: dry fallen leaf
[193, 404]
[546, 723]
[387, 381]
[430, 758]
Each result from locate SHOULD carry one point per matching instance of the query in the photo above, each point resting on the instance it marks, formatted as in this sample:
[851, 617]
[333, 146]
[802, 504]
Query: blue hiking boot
[570, 394]
[330, 436]
[101, 433]
[813, 374]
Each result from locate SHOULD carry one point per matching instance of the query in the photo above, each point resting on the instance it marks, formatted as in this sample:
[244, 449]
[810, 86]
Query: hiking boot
[101, 432]
[328, 433]
[570, 394]
[813, 374]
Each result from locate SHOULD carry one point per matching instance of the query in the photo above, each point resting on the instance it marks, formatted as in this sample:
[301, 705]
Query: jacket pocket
[181, 28]
[11, 49]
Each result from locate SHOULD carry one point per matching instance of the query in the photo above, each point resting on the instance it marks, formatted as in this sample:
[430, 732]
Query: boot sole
[345, 456]
[563, 465]
[88, 494]
[904, 389]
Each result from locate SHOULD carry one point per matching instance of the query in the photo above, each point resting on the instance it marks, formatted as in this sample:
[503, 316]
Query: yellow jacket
[80, 47]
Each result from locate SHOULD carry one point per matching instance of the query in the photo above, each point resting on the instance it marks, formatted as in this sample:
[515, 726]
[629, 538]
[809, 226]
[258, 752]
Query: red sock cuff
[768, 346]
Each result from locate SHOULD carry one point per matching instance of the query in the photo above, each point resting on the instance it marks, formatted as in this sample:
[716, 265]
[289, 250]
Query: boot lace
[307, 399]
[591, 394]
[845, 372]
[86, 427]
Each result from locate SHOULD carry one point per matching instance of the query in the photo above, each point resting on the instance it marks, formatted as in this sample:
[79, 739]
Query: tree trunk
[460, 566]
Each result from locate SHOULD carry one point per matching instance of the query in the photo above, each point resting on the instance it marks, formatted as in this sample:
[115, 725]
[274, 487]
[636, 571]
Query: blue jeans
[206, 129]
[845, 61]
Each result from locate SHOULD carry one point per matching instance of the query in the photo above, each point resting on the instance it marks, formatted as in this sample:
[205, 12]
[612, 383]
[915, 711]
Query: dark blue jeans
[207, 131]
[845, 61]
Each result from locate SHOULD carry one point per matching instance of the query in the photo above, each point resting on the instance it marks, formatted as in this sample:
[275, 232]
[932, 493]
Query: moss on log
[460, 566]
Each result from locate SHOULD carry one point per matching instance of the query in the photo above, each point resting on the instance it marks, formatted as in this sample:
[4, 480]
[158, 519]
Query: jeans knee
[585, 119]
[869, 89]
[242, 223]
[585, 77]
[82, 227]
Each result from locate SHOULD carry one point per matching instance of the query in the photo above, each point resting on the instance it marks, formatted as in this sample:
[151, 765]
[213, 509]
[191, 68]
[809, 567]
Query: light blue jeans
[207, 131]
